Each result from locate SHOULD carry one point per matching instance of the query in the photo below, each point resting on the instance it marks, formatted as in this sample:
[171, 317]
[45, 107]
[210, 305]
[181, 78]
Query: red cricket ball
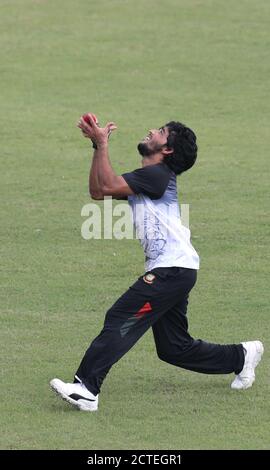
[86, 118]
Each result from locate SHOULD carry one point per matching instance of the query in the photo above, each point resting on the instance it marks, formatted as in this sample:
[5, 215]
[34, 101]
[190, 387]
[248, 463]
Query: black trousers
[159, 300]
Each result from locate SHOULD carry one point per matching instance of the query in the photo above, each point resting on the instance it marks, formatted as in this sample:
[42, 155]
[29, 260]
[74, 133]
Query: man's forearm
[101, 174]
[94, 186]
[106, 175]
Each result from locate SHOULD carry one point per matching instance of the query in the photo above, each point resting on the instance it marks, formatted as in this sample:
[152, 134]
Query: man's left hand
[98, 135]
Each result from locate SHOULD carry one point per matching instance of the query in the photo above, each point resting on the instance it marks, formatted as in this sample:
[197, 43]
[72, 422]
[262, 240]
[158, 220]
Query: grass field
[142, 63]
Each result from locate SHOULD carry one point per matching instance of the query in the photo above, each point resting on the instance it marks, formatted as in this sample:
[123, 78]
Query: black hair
[182, 141]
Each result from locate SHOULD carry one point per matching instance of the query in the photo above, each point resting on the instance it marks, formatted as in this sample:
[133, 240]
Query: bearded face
[153, 143]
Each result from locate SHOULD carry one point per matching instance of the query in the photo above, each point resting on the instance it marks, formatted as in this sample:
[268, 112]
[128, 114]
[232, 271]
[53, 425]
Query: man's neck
[152, 160]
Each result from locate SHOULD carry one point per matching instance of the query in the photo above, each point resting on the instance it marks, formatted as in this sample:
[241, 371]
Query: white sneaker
[254, 351]
[76, 394]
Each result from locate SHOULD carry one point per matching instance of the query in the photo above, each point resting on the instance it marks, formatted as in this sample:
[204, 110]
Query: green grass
[139, 63]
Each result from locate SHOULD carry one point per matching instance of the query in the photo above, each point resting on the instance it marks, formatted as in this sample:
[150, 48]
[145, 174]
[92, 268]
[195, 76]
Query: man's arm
[102, 179]
[109, 184]
[93, 178]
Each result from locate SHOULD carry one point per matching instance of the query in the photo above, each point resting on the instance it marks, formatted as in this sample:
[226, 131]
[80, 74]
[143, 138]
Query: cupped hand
[91, 130]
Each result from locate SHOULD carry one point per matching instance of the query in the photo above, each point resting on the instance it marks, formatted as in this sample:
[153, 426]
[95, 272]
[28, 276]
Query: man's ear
[167, 151]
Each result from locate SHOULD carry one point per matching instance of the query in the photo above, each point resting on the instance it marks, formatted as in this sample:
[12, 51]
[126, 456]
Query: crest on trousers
[149, 278]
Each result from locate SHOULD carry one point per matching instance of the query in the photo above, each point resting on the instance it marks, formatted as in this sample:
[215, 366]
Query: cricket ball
[86, 118]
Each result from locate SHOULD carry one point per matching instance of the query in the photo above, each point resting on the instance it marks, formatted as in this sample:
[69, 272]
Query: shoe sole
[82, 405]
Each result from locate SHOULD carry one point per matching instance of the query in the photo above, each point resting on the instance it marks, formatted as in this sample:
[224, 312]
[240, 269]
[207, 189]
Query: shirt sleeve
[150, 180]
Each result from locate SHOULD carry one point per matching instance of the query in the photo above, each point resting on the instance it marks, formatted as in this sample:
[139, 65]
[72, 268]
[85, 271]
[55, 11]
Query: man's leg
[129, 318]
[175, 346]
[125, 322]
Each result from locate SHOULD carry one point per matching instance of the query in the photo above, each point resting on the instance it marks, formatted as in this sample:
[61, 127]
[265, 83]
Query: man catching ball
[159, 298]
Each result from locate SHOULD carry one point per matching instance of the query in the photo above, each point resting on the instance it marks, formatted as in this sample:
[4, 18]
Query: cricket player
[159, 298]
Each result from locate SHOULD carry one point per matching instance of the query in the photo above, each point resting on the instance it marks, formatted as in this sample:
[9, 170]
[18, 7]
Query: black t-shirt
[150, 180]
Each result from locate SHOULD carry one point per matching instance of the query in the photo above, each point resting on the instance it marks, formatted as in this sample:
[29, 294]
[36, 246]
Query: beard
[145, 151]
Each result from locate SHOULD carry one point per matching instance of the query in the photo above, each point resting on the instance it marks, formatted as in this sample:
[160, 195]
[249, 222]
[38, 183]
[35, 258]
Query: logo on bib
[149, 278]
